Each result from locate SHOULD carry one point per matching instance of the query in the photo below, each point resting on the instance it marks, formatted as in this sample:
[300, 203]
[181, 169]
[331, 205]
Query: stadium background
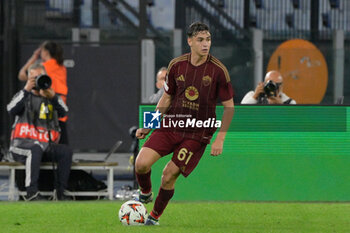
[106, 42]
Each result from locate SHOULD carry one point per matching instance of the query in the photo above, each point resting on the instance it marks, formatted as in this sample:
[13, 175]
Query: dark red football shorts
[187, 152]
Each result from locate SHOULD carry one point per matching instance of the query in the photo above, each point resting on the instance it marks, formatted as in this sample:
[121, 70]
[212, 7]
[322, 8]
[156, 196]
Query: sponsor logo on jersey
[190, 105]
[180, 78]
[191, 93]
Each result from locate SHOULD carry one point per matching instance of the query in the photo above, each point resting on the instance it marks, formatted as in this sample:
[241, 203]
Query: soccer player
[193, 84]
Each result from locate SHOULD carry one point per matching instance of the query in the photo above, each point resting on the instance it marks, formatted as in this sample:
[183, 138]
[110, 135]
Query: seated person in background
[268, 92]
[159, 84]
[36, 131]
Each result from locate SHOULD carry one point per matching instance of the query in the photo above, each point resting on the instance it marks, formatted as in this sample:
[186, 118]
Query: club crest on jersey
[191, 93]
[180, 78]
[206, 80]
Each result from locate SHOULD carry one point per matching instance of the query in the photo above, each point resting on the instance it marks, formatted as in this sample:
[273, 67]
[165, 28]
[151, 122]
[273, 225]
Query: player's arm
[165, 101]
[217, 146]
[162, 106]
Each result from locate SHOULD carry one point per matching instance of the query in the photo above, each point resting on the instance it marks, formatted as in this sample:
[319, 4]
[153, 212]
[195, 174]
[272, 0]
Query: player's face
[200, 43]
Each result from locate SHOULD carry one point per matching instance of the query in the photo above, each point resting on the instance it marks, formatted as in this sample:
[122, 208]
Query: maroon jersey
[195, 91]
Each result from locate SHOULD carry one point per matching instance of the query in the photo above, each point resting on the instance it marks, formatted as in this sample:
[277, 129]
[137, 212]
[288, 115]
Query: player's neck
[198, 60]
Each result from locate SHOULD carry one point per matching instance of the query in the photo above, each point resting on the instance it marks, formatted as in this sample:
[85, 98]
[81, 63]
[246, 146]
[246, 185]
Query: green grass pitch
[179, 217]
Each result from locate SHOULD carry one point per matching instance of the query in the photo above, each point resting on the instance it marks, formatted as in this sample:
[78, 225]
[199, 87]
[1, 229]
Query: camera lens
[43, 82]
[270, 88]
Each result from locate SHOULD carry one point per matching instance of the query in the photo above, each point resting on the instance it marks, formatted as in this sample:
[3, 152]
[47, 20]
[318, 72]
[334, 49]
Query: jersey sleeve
[225, 88]
[170, 83]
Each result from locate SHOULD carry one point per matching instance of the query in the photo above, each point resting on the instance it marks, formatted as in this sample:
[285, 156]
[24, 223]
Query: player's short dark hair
[196, 27]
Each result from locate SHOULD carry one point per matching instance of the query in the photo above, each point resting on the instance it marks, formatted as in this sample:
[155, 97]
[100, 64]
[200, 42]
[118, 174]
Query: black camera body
[271, 88]
[43, 82]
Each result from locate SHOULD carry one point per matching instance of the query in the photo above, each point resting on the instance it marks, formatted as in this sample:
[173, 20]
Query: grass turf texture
[102, 216]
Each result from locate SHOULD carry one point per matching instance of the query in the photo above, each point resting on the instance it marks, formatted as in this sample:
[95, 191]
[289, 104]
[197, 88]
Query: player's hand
[141, 133]
[48, 93]
[30, 84]
[216, 147]
[258, 90]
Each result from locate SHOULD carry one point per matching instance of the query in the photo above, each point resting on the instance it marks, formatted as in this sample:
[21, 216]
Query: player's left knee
[141, 167]
[168, 178]
[168, 181]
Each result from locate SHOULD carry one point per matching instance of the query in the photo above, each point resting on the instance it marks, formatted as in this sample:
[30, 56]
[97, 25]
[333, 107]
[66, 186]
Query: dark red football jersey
[195, 91]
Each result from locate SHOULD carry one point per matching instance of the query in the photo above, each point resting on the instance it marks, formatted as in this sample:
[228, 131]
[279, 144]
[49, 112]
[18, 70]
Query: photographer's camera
[42, 82]
[271, 88]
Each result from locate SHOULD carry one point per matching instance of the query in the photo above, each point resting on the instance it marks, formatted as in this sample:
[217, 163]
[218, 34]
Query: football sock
[162, 200]
[144, 181]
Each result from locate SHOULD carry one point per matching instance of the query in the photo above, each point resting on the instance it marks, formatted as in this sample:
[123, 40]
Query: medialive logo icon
[151, 120]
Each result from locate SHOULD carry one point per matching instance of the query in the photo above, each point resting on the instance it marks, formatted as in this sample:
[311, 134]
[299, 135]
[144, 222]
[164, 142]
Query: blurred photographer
[50, 55]
[36, 132]
[161, 74]
[268, 92]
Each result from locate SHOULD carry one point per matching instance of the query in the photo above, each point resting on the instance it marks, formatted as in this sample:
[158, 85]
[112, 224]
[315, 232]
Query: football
[132, 213]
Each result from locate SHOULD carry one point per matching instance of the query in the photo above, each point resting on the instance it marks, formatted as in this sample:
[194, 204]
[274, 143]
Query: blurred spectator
[51, 55]
[36, 132]
[268, 92]
[161, 74]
